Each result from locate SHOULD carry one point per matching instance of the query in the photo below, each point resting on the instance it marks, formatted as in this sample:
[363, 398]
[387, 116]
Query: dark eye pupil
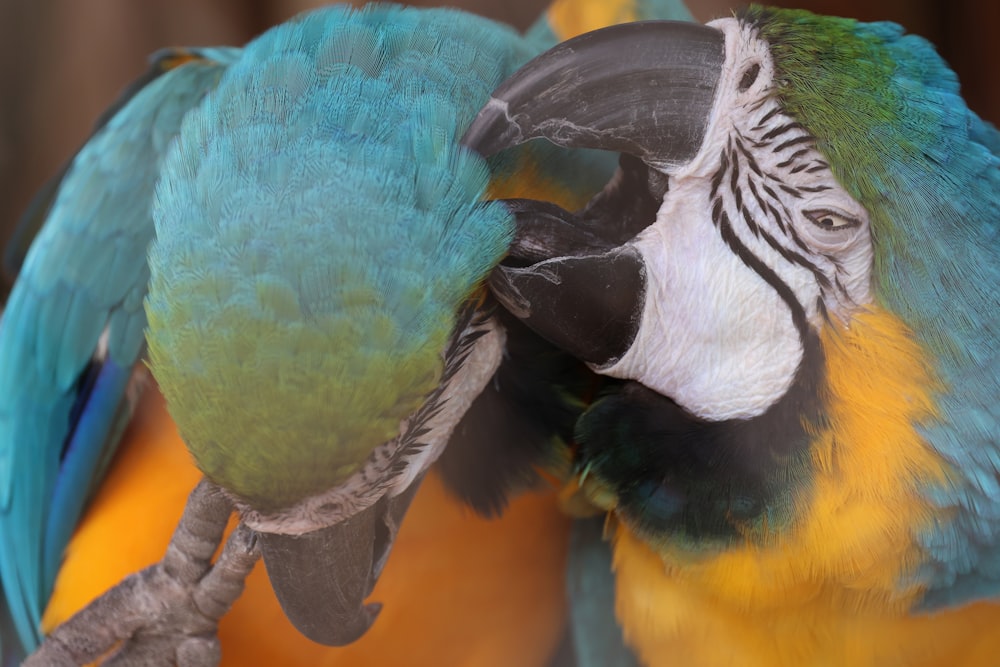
[749, 77]
[830, 221]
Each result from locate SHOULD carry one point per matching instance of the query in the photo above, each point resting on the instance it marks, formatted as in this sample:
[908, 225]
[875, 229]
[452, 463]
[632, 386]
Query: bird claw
[168, 613]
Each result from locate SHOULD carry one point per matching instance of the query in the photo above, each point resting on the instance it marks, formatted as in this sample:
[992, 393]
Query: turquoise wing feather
[41, 204]
[72, 331]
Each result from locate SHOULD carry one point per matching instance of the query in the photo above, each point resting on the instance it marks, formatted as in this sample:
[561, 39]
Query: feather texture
[888, 113]
[302, 314]
[72, 331]
[829, 257]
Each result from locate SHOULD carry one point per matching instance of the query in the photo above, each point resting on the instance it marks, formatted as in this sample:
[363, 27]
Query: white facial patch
[714, 336]
[755, 243]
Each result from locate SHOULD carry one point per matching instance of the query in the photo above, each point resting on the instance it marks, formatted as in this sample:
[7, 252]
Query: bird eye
[749, 76]
[831, 221]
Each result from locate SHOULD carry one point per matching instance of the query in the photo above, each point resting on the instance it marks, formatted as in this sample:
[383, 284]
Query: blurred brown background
[63, 61]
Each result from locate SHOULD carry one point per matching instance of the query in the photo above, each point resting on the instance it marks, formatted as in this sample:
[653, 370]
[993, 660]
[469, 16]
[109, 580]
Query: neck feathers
[850, 545]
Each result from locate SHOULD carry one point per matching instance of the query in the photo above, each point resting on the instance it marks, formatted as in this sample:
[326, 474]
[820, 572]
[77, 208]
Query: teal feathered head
[317, 235]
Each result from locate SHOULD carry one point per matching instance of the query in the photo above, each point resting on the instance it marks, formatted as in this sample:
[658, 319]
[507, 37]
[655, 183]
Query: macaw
[798, 449]
[72, 351]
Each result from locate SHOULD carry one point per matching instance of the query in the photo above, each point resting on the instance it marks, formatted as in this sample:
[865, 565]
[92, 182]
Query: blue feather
[83, 277]
[101, 418]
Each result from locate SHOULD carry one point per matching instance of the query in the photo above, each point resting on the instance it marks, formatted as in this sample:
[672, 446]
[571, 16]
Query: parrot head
[320, 252]
[797, 195]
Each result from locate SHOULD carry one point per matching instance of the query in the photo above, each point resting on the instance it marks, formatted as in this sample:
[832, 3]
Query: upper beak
[642, 89]
[322, 578]
[646, 89]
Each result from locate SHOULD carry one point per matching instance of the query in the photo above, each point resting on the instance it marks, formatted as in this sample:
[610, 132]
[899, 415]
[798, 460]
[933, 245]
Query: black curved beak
[645, 90]
[322, 578]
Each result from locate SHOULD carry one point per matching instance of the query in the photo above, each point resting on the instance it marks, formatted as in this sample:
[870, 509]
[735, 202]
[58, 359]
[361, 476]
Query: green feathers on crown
[887, 112]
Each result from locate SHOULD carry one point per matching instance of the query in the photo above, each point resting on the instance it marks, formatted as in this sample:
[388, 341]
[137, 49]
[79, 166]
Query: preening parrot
[796, 307]
[340, 118]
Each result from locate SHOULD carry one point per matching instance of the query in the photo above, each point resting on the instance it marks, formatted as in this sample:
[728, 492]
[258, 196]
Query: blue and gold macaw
[344, 123]
[798, 449]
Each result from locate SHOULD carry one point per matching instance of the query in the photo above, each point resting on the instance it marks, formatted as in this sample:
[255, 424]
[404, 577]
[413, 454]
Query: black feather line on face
[682, 478]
